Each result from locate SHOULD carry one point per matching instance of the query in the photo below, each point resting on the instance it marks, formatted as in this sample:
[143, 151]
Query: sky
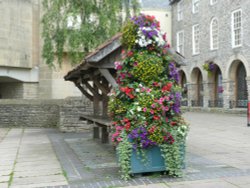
[155, 3]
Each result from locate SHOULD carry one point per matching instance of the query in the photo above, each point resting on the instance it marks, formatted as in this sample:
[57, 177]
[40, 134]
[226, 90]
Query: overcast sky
[155, 3]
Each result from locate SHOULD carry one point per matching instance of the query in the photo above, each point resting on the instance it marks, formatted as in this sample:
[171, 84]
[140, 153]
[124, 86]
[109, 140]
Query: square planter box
[154, 161]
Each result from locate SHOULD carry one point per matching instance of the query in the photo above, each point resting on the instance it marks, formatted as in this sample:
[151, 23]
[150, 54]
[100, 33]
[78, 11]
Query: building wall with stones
[23, 73]
[228, 85]
[63, 114]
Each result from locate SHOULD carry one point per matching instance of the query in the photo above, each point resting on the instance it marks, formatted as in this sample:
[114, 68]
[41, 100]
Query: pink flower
[119, 139]
[118, 65]
[153, 105]
[145, 109]
[165, 108]
[152, 111]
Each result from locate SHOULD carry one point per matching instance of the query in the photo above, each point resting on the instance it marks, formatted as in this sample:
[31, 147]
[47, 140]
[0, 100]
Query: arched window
[214, 34]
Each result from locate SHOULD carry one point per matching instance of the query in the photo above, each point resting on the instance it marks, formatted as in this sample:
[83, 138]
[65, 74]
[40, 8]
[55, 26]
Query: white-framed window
[196, 39]
[195, 6]
[212, 2]
[214, 34]
[180, 10]
[180, 42]
[236, 28]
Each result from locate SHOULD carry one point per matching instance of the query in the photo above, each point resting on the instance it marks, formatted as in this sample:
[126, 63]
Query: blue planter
[154, 161]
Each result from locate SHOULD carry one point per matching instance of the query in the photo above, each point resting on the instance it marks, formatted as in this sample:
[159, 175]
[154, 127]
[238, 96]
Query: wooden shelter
[95, 76]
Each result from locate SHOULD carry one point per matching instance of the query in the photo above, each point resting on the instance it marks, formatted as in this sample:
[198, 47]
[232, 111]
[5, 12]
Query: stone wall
[70, 112]
[64, 114]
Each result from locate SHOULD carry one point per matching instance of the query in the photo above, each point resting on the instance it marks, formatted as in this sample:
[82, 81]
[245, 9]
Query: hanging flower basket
[148, 128]
[209, 67]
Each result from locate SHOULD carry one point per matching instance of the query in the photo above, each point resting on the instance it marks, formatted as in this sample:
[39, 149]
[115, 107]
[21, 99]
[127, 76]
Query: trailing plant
[77, 27]
[124, 151]
[145, 107]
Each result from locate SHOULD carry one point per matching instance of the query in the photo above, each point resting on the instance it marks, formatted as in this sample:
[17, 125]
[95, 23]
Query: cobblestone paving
[211, 147]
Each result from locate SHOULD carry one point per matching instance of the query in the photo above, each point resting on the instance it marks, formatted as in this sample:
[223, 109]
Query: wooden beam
[100, 86]
[109, 77]
[84, 92]
[94, 91]
[96, 107]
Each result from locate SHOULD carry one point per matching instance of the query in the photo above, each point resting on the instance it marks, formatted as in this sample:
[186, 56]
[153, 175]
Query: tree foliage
[76, 27]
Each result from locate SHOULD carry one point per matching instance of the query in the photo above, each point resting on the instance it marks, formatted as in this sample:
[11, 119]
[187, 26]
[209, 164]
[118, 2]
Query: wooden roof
[95, 59]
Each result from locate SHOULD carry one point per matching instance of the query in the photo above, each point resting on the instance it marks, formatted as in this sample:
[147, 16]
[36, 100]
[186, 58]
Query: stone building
[214, 34]
[23, 74]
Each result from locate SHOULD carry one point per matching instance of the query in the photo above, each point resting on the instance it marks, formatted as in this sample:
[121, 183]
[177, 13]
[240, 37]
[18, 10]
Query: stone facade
[23, 73]
[224, 87]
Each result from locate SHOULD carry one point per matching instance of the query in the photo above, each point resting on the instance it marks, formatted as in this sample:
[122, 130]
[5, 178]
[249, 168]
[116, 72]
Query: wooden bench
[99, 122]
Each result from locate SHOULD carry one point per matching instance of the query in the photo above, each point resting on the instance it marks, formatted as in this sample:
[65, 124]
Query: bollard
[248, 114]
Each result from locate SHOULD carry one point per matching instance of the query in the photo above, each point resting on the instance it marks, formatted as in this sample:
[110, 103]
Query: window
[212, 2]
[180, 10]
[196, 39]
[236, 28]
[180, 42]
[214, 34]
[195, 6]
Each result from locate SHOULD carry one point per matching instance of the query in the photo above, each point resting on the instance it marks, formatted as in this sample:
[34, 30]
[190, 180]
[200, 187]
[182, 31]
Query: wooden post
[105, 135]
[105, 99]
[96, 133]
[96, 102]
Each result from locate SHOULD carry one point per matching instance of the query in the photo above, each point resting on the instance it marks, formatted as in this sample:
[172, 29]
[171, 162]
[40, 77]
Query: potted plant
[147, 126]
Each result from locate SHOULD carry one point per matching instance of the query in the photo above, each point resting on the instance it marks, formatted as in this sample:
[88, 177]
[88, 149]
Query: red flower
[128, 91]
[173, 123]
[127, 126]
[125, 120]
[167, 87]
[152, 129]
[130, 54]
[156, 117]
[156, 84]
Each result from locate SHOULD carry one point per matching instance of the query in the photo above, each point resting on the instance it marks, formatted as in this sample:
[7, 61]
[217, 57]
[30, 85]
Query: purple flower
[139, 136]
[173, 72]
[211, 67]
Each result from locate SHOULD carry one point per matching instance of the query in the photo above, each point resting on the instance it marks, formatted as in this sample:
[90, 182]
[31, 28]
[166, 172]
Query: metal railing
[215, 103]
[238, 104]
[197, 103]
[184, 103]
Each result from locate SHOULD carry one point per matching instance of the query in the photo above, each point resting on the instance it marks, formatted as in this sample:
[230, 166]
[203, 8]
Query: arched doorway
[197, 83]
[216, 88]
[183, 84]
[238, 76]
[241, 86]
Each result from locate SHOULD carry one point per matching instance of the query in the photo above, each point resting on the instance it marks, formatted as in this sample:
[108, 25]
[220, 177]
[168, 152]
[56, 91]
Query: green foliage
[173, 157]
[148, 66]
[129, 35]
[124, 151]
[92, 22]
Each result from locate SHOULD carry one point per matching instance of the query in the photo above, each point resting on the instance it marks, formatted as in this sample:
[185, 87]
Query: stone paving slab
[3, 133]
[217, 156]
[203, 184]
[157, 185]
[4, 185]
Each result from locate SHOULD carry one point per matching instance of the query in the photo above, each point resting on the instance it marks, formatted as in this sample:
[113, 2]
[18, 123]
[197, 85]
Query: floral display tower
[147, 125]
